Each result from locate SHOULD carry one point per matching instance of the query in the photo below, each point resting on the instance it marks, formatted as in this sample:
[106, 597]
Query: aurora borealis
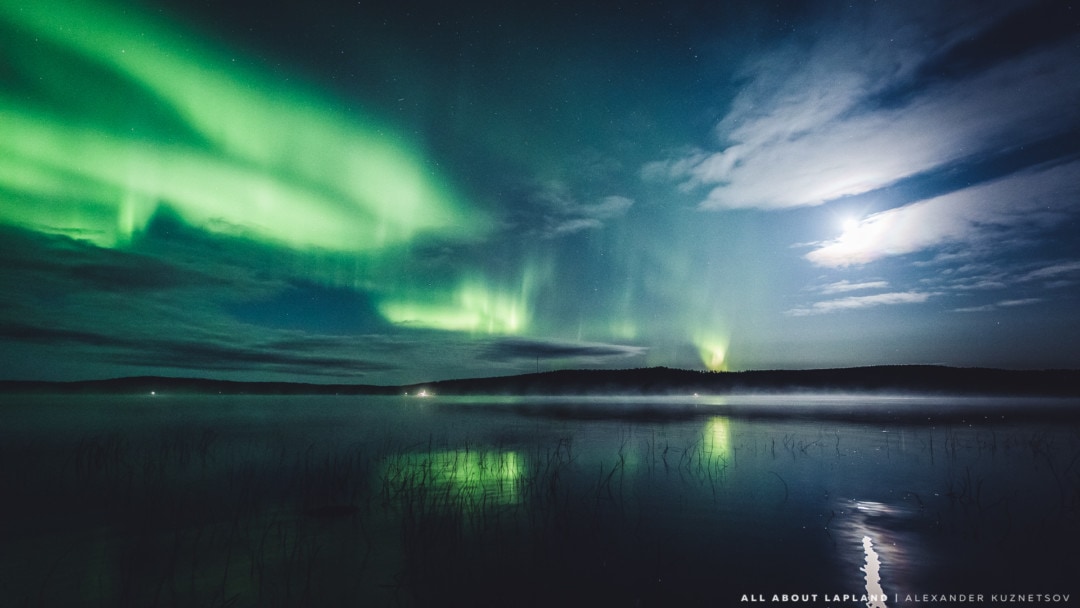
[390, 193]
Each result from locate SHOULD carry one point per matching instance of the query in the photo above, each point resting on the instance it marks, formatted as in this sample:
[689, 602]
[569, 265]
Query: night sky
[393, 192]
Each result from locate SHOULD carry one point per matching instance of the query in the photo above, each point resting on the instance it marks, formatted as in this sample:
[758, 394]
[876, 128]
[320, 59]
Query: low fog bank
[879, 408]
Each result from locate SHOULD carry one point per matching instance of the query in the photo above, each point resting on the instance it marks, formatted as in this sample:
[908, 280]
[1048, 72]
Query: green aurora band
[114, 115]
[473, 307]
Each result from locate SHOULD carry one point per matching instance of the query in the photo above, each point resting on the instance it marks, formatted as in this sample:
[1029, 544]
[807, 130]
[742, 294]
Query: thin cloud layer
[854, 115]
[1000, 305]
[219, 353]
[551, 210]
[847, 286]
[523, 349]
[1054, 272]
[858, 302]
[973, 217]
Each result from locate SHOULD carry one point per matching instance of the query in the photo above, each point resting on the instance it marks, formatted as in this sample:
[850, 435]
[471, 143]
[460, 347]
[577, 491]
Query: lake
[814, 500]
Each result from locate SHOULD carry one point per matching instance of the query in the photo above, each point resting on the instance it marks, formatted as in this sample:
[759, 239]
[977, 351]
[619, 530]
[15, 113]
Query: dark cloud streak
[1029, 28]
[205, 355]
[518, 349]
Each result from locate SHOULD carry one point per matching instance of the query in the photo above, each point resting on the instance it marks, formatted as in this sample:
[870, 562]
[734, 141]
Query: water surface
[283, 501]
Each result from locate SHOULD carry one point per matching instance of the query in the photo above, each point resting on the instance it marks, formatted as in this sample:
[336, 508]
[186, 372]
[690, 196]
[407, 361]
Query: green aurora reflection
[464, 478]
[717, 437]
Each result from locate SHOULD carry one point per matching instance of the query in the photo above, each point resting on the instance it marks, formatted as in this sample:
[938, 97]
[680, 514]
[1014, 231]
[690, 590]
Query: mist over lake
[192, 500]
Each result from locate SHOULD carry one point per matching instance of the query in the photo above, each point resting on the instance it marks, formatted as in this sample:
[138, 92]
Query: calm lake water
[384, 501]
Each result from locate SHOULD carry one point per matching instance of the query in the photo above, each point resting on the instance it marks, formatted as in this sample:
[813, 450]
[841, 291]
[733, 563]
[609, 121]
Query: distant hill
[646, 381]
[662, 380]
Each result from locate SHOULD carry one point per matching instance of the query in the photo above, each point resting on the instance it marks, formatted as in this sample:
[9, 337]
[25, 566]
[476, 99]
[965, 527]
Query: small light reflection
[874, 508]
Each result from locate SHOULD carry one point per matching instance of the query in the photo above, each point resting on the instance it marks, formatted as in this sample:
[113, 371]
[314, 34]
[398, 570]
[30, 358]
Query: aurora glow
[713, 353]
[371, 192]
[245, 154]
[473, 308]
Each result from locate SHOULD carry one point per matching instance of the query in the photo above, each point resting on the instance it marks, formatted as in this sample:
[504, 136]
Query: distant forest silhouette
[921, 379]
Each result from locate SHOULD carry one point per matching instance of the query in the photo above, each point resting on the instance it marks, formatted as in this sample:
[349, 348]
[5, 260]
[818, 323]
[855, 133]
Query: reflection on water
[460, 478]
[718, 436]
[882, 533]
[874, 593]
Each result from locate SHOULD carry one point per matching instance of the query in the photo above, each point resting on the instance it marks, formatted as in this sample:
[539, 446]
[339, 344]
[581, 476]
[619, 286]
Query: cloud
[553, 211]
[205, 353]
[975, 216]
[978, 283]
[1054, 271]
[27, 332]
[859, 302]
[102, 307]
[846, 286]
[1000, 305]
[80, 264]
[819, 122]
[524, 349]
[1002, 275]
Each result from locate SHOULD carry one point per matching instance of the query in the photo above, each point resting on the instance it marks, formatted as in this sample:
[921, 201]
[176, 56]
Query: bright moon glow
[861, 241]
[144, 117]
